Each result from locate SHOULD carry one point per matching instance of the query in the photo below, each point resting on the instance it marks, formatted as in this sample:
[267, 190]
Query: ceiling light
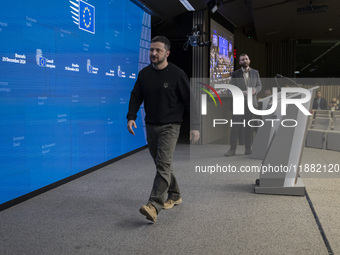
[214, 4]
[187, 5]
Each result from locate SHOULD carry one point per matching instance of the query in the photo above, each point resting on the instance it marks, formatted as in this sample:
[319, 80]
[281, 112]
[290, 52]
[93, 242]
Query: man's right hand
[129, 126]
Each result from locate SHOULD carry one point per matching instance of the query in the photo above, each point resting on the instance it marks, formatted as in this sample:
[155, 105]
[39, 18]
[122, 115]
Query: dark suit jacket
[323, 104]
[254, 81]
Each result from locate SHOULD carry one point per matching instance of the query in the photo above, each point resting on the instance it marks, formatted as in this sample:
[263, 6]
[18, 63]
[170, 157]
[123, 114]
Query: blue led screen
[67, 68]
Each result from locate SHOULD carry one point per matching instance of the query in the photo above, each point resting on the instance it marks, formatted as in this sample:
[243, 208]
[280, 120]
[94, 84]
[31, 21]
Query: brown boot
[171, 203]
[149, 211]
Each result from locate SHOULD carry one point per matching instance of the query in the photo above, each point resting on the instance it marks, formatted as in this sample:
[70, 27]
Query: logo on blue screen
[83, 15]
[42, 61]
[90, 68]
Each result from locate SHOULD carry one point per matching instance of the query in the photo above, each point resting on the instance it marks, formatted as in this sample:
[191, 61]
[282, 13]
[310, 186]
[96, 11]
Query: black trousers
[241, 122]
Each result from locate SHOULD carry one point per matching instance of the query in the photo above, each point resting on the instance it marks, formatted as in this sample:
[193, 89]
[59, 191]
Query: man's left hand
[194, 136]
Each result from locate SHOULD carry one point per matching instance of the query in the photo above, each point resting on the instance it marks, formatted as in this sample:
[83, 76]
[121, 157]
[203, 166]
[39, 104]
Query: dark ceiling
[268, 20]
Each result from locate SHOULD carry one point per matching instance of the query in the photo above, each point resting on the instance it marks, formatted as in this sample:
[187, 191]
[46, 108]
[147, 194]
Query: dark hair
[162, 39]
[243, 54]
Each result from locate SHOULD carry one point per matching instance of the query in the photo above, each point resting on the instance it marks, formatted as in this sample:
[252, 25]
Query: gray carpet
[98, 213]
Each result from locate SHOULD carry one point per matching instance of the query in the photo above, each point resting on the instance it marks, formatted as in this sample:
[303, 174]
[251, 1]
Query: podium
[265, 133]
[280, 166]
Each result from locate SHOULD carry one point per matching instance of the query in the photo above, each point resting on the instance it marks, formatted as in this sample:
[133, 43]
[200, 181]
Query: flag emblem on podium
[83, 15]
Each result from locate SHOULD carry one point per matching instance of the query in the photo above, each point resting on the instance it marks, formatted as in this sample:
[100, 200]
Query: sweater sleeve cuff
[131, 117]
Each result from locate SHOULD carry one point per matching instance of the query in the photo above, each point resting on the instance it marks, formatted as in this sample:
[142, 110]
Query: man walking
[165, 90]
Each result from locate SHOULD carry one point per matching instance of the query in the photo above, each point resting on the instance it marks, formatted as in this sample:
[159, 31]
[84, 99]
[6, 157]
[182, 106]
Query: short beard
[158, 62]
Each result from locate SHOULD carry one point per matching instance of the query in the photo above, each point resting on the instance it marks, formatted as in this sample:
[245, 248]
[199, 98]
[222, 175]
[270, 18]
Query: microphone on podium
[281, 76]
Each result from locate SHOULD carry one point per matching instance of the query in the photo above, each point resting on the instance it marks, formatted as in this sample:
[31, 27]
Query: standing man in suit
[244, 78]
[319, 102]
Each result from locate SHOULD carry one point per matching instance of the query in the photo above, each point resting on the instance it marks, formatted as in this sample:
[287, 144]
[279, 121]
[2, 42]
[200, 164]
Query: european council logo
[83, 15]
[41, 61]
